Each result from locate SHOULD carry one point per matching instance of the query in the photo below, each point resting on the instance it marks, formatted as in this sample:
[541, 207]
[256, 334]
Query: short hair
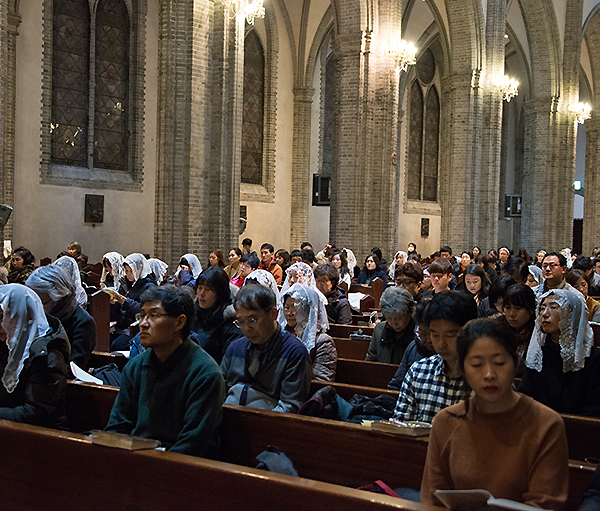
[305, 244]
[520, 295]
[308, 254]
[75, 246]
[51, 280]
[396, 300]
[25, 254]
[455, 306]
[446, 248]
[517, 268]
[499, 287]
[295, 253]
[247, 242]
[420, 313]
[237, 251]
[412, 271]
[217, 280]
[255, 297]
[268, 246]
[441, 265]
[327, 270]
[492, 328]
[251, 259]
[176, 301]
[561, 258]
[595, 261]
[583, 263]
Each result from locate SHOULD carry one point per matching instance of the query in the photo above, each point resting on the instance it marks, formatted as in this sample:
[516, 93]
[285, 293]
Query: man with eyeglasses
[269, 368]
[554, 268]
[173, 391]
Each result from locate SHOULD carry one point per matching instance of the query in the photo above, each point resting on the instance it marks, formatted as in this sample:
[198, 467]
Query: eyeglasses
[242, 323]
[550, 266]
[150, 316]
[437, 276]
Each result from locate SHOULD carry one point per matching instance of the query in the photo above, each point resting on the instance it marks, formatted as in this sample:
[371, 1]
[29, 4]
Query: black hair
[237, 251]
[517, 268]
[295, 253]
[25, 254]
[329, 271]
[268, 246]
[520, 295]
[255, 297]
[176, 301]
[410, 270]
[482, 259]
[183, 262]
[413, 256]
[413, 244]
[75, 246]
[308, 255]
[446, 248]
[377, 251]
[499, 287]
[247, 242]
[583, 263]
[375, 260]
[561, 258]
[284, 254]
[454, 306]
[343, 258]
[251, 259]
[491, 328]
[217, 280]
[477, 271]
[305, 244]
[420, 314]
[441, 265]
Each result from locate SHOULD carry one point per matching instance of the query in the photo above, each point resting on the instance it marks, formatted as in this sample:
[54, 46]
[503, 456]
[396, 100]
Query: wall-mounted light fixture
[404, 55]
[581, 111]
[508, 86]
[249, 9]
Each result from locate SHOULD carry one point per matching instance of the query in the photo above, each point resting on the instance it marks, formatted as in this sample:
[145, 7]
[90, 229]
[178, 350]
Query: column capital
[303, 94]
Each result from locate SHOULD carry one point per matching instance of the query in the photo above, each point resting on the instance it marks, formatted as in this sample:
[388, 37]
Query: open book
[121, 441]
[111, 292]
[466, 500]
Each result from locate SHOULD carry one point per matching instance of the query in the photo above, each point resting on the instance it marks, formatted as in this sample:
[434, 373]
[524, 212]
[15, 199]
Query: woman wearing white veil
[188, 270]
[33, 360]
[69, 264]
[306, 317]
[266, 279]
[158, 269]
[299, 273]
[563, 367]
[399, 259]
[112, 270]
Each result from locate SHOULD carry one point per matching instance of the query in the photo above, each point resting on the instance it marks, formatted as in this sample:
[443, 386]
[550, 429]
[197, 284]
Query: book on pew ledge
[477, 499]
[121, 441]
[410, 428]
[110, 292]
[84, 376]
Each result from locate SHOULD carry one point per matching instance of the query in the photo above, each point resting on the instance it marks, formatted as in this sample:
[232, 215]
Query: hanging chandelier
[509, 87]
[582, 111]
[249, 9]
[404, 55]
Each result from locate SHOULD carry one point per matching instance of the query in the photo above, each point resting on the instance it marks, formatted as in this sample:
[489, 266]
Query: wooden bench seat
[53, 470]
[351, 349]
[344, 331]
[368, 374]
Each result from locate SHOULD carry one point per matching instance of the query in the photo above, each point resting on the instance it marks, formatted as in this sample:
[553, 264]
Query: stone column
[591, 205]
[184, 129]
[227, 54]
[301, 184]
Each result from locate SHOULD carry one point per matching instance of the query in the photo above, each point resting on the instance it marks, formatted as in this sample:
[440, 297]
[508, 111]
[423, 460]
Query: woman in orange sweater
[496, 439]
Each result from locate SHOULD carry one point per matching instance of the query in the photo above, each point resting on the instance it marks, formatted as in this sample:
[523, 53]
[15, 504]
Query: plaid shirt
[426, 390]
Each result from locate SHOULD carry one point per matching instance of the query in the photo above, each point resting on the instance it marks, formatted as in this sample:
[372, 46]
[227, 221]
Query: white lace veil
[300, 273]
[139, 266]
[567, 253]
[69, 264]
[264, 278]
[116, 263]
[24, 321]
[195, 266]
[158, 269]
[351, 258]
[392, 269]
[311, 316]
[576, 335]
[537, 273]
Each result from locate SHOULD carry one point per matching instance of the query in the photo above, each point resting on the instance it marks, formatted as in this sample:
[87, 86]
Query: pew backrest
[99, 309]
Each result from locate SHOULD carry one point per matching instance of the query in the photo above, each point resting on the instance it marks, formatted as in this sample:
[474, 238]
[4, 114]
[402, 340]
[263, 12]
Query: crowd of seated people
[255, 333]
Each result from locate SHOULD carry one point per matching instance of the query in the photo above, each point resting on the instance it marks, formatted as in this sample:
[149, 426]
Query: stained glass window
[415, 143]
[328, 118]
[432, 142]
[70, 82]
[253, 110]
[111, 87]
[71, 109]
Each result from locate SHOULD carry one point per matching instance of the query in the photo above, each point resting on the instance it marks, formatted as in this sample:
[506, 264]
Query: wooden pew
[375, 290]
[99, 359]
[347, 390]
[339, 453]
[53, 470]
[99, 309]
[344, 331]
[368, 374]
[349, 348]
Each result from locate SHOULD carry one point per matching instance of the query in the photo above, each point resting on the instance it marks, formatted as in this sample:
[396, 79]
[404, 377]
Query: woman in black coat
[372, 270]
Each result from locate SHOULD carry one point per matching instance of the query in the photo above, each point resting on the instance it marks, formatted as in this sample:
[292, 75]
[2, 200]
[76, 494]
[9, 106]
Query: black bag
[109, 374]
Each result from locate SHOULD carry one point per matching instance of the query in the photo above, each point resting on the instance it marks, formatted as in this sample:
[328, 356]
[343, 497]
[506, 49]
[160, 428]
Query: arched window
[253, 110]
[424, 133]
[77, 108]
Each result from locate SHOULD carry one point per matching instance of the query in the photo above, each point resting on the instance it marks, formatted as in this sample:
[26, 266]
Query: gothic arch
[592, 39]
[466, 26]
[325, 26]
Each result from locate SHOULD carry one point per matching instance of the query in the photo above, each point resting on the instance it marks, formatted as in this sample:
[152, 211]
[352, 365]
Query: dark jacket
[80, 328]
[39, 397]
[415, 351]
[338, 307]
[215, 330]
[387, 346]
[132, 305]
[367, 277]
[573, 392]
